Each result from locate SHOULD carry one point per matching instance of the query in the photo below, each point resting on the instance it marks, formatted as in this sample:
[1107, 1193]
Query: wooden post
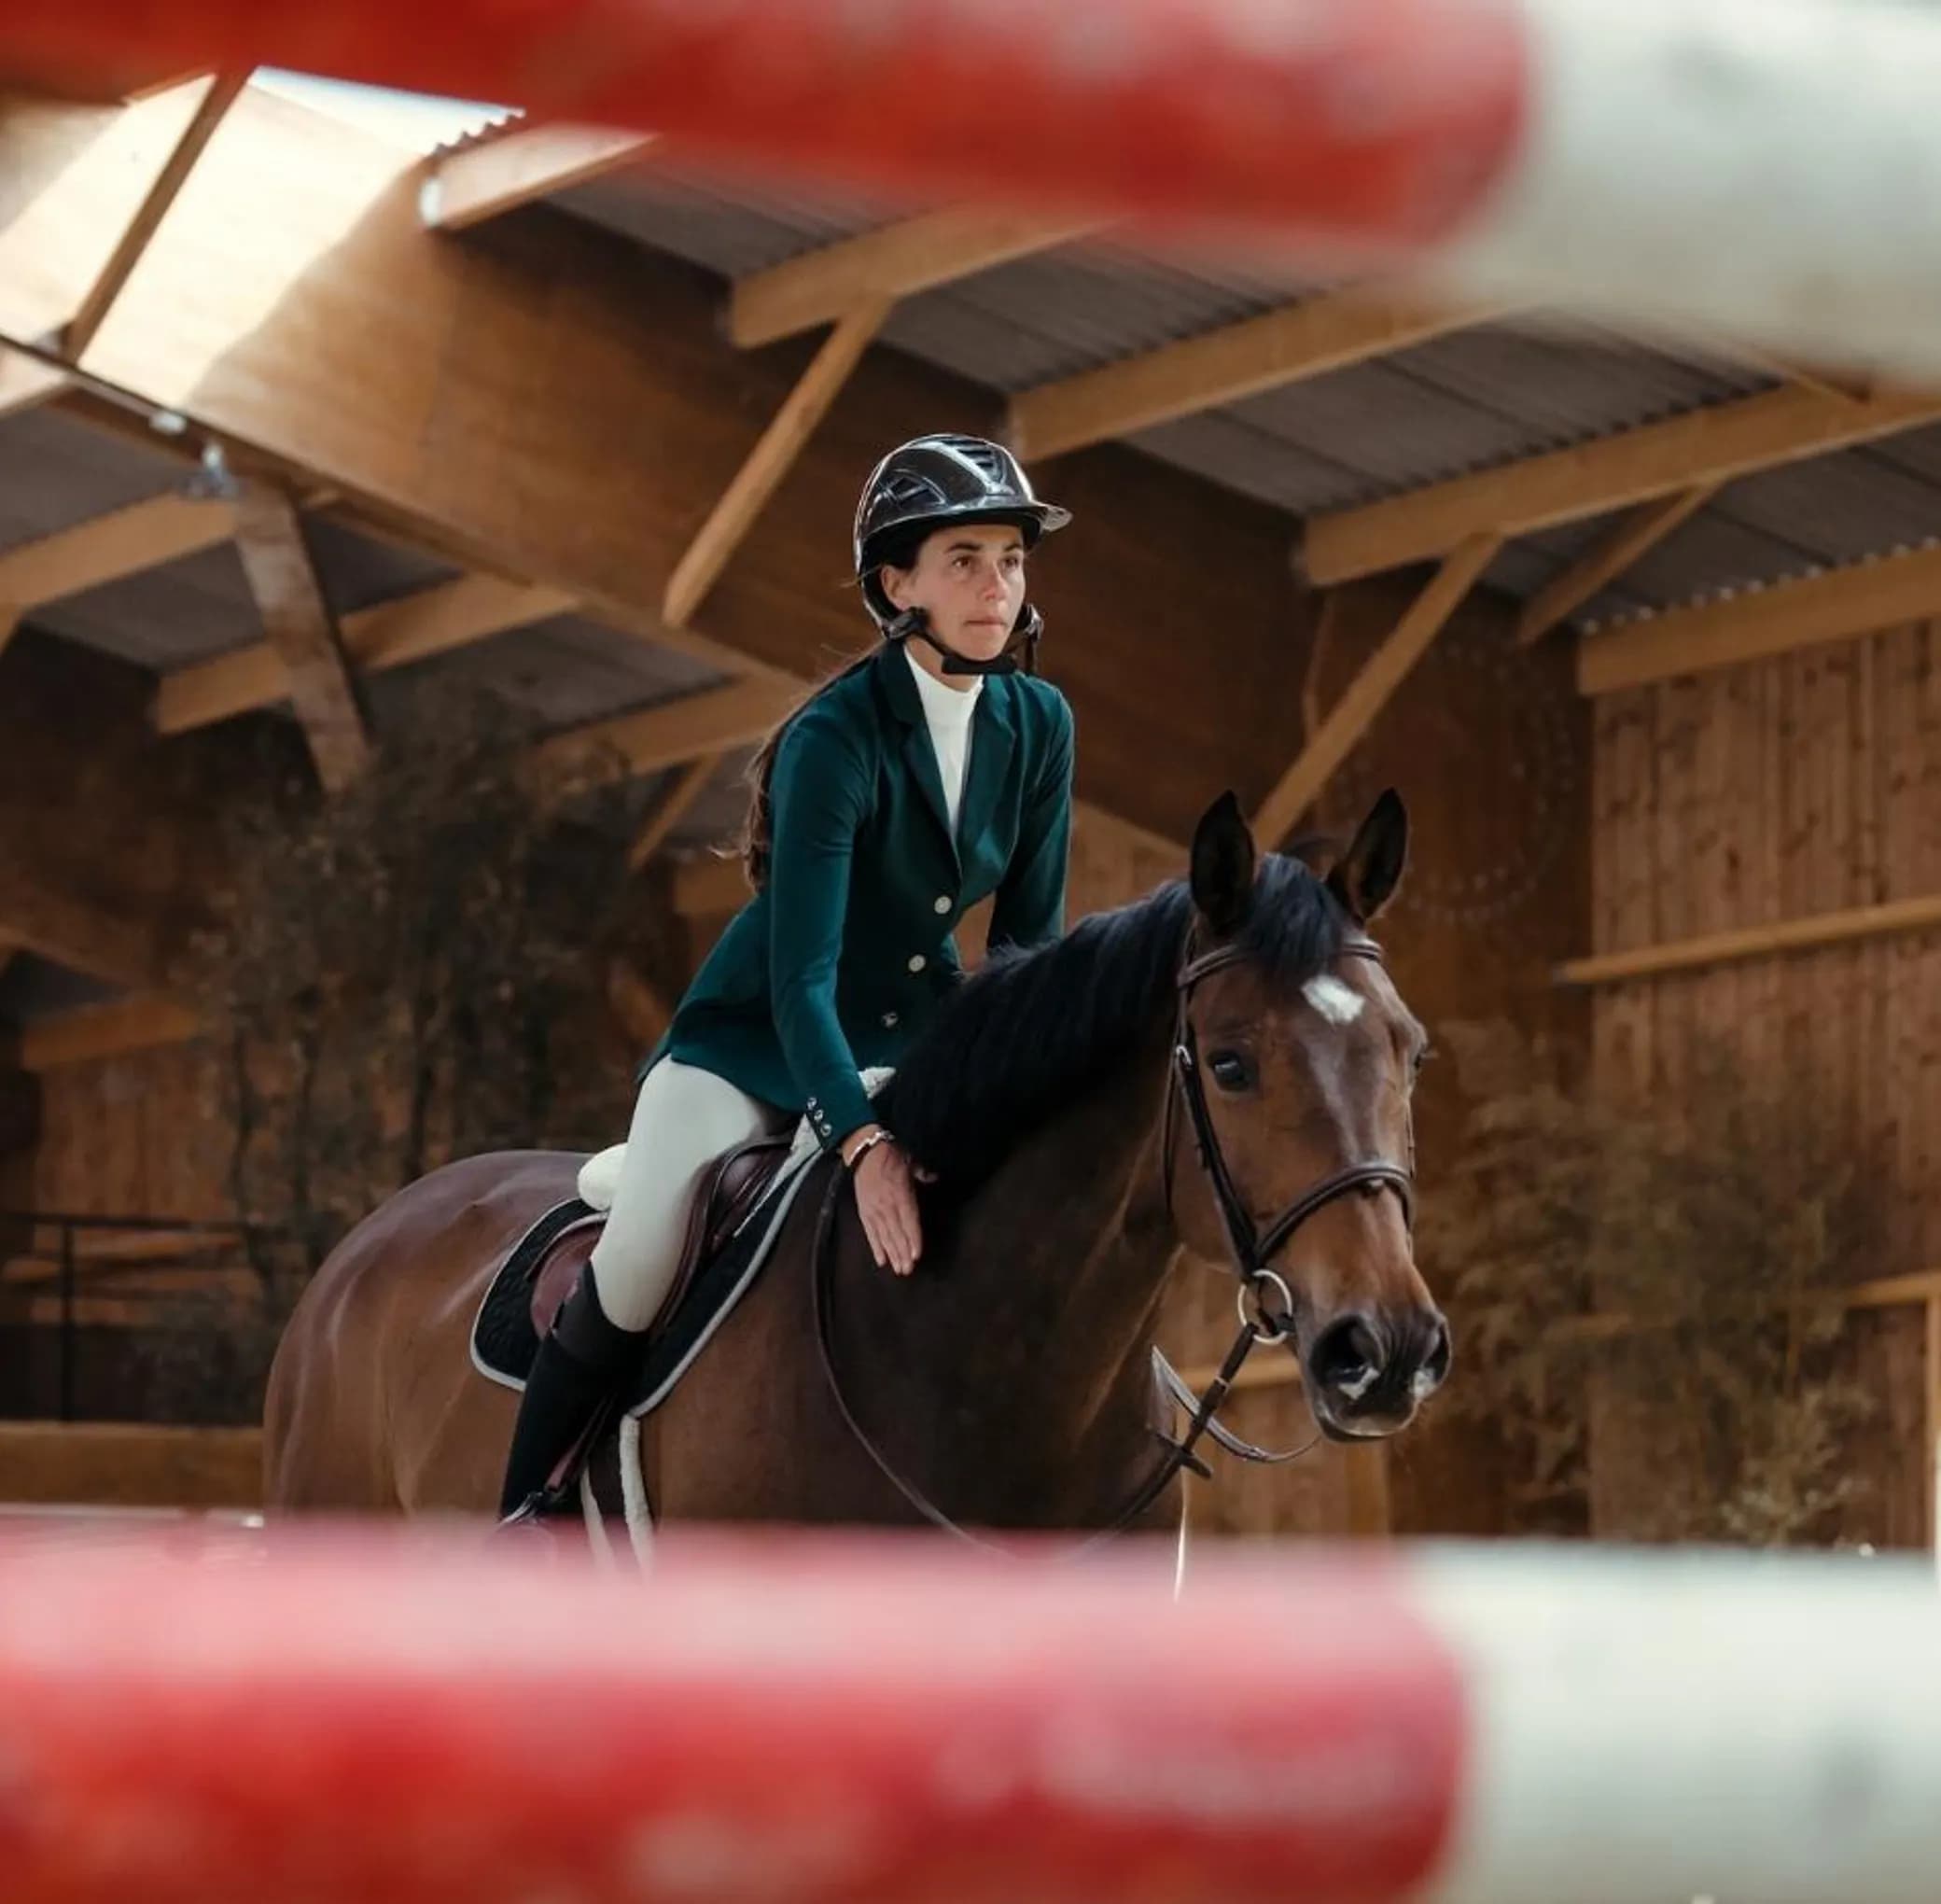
[1931, 1444]
[302, 630]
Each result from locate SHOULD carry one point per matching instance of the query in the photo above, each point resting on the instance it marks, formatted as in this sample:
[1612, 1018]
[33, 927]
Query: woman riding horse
[927, 776]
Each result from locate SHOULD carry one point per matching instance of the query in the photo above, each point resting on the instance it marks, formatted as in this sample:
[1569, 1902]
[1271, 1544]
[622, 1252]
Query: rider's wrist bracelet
[869, 1144]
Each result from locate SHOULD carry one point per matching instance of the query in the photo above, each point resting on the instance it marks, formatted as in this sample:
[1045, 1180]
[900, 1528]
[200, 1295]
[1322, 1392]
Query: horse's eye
[1231, 1071]
[1423, 1054]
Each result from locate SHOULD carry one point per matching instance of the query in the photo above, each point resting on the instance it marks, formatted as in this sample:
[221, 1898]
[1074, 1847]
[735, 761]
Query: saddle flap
[729, 1188]
[559, 1269]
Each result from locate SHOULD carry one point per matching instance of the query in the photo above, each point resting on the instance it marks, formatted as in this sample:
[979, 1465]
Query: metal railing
[226, 1244]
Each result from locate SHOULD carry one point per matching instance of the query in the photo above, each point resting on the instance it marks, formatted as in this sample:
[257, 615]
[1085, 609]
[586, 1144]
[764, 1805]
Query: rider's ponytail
[755, 844]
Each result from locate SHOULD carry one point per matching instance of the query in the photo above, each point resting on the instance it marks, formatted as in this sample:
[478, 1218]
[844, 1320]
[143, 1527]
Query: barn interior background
[413, 516]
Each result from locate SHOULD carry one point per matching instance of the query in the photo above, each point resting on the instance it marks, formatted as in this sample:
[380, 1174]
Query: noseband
[1254, 1248]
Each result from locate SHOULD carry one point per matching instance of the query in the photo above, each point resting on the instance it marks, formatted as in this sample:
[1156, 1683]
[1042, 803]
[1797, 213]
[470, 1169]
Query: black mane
[1028, 1032]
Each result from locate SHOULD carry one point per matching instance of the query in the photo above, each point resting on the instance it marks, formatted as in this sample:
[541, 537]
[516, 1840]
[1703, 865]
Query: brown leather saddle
[730, 1190]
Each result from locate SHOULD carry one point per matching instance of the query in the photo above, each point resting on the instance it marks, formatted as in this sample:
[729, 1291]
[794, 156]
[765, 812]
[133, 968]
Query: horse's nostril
[1348, 1358]
[1435, 1364]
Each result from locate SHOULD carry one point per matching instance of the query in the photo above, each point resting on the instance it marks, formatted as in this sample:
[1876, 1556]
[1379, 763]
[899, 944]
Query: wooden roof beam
[672, 805]
[143, 1022]
[219, 95]
[1368, 693]
[428, 622]
[1919, 915]
[105, 548]
[1224, 366]
[304, 632]
[712, 722]
[897, 260]
[1710, 445]
[1606, 559]
[108, 943]
[483, 181]
[1757, 623]
[773, 455]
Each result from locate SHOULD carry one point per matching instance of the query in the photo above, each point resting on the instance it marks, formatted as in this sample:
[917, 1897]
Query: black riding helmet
[919, 488]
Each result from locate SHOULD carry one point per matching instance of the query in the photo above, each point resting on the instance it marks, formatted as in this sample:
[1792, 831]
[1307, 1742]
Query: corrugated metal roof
[416, 121]
[1461, 402]
[163, 618]
[1072, 309]
[55, 472]
[561, 673]
[731, 226]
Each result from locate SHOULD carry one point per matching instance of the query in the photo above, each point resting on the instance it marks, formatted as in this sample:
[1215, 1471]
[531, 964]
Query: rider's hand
[886, 1199]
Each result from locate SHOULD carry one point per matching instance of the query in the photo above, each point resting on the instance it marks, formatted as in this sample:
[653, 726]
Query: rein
[1263, 1324]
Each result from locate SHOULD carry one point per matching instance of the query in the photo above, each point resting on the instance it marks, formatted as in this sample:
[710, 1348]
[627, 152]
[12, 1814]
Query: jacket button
[917, 961]
[941, 903]
[889, 1019]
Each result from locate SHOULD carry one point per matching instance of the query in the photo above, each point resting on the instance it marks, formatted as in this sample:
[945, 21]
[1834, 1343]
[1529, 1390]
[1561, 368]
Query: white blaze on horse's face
[1338, 1003]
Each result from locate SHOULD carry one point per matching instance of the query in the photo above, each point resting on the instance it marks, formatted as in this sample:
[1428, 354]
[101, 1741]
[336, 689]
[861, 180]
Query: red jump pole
[190, 1719]
[1366, 121]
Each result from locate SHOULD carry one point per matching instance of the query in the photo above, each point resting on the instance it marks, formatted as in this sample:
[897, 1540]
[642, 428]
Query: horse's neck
[1059, 1266]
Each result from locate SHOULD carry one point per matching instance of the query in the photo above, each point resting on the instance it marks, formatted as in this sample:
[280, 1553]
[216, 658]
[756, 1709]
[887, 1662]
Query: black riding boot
[580, 1363]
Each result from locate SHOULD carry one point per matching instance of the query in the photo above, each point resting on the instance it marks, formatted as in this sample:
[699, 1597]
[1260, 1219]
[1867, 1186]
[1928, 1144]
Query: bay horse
[1059, 1097]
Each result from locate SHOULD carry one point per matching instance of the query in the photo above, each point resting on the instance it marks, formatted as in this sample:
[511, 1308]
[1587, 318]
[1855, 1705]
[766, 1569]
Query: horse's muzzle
[1367, 1374]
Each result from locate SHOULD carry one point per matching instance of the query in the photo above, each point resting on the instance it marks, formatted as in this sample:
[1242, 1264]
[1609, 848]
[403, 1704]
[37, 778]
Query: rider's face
[970, 581]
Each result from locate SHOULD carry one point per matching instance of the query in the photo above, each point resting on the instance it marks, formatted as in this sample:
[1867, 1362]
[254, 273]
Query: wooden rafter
[483, 181]
[1920, 914]
[104, 942]
[304, 632]
[429, 620]
[1223, 365]
[674, 803]
[1606, 559]
[104, 548]
[144, 1022]
[771, 459]
[1368, 693]
[80, 330]
[1711, 446]
[896, 261]
[1757, 623]
[713, 722]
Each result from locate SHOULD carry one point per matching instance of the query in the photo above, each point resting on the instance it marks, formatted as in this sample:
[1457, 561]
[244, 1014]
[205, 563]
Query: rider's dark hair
[755, 844]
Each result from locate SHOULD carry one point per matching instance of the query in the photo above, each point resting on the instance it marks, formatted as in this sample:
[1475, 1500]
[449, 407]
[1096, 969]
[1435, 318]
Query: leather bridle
[1261, 1325]
[1252, 1247]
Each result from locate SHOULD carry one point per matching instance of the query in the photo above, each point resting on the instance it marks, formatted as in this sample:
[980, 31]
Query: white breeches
[684, 1119]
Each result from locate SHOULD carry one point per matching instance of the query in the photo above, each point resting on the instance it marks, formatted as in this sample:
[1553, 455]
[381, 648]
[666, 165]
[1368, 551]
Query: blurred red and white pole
[1766, 168]
[208, 1716]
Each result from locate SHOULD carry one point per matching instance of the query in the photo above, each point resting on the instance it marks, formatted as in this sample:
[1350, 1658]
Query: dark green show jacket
[839, 962]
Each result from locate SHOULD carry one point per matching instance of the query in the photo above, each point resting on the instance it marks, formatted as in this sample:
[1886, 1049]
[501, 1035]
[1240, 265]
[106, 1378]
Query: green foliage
[413, 972]
[1659, 1290]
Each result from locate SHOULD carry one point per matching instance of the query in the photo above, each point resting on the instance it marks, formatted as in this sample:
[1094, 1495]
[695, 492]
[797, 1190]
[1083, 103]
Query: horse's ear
[1366, 876]
[1222, 866]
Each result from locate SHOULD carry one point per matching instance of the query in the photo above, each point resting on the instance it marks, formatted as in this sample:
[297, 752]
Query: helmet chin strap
[915, 624]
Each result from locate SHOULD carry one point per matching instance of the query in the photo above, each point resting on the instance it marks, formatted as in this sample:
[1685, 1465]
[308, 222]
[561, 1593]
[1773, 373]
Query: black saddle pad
[503, 1340]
